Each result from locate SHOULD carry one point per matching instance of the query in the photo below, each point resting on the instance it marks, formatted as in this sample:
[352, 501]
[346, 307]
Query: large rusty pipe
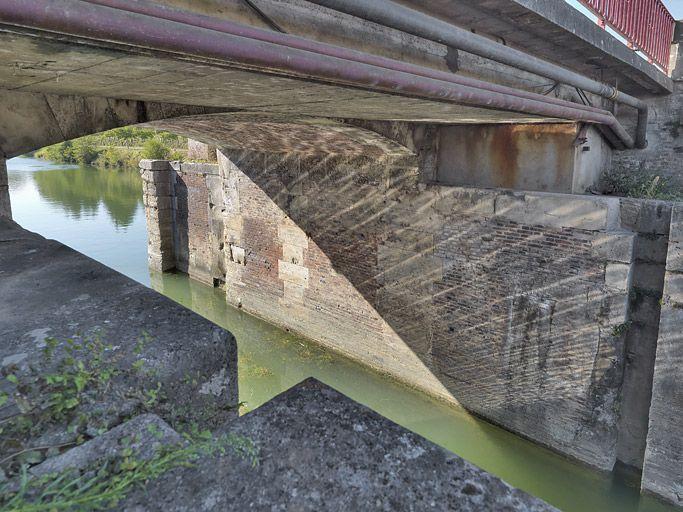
[90, 21]
[411, 21]
[150, 8]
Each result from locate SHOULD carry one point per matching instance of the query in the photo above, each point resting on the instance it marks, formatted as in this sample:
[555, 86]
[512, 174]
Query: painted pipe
[150, 8]
[87, 20]
[405, 19]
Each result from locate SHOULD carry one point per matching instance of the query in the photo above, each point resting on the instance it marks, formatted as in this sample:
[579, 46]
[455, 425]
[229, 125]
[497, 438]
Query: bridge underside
[51, 65]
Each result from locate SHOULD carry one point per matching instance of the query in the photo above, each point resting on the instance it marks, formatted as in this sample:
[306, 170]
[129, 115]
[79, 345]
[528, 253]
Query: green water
[100, 213]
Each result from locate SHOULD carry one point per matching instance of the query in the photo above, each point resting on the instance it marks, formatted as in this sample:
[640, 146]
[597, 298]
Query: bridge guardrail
[647, 25]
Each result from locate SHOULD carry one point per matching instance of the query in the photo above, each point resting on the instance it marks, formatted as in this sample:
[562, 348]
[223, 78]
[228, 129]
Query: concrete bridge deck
[91, 50]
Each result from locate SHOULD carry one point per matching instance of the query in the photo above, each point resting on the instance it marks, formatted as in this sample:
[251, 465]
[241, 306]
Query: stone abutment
[537, 311]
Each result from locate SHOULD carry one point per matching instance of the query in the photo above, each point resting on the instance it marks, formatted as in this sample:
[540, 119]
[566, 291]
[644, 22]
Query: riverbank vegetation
[641, 185]
[117, 148]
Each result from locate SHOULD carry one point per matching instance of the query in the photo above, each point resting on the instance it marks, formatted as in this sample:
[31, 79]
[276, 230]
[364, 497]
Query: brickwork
[193, 249]
[514, 305]
[504, 303]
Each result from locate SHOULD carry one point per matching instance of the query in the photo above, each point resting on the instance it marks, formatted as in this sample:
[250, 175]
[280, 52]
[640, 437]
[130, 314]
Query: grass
[640, 185]
[111, 483]
[71, 379]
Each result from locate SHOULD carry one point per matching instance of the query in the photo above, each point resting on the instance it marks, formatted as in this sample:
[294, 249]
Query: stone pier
[5, 204]
[158, 178]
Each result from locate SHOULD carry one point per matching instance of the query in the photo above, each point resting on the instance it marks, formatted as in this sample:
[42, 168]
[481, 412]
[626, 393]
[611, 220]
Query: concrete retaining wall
[515, 305]
[565, 158]
[663, 467]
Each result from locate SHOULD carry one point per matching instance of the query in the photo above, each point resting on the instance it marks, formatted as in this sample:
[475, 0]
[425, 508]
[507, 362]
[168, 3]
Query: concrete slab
[155, 356]
[319, 450]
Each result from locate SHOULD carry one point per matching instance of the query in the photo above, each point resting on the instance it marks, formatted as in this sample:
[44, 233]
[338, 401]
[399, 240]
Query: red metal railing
[646, 24]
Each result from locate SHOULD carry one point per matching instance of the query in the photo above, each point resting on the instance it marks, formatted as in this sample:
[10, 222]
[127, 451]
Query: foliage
[64, 390]
[54, 394]
[155, 149]
[83, 151]
[641, 185]
[113, 157]
[117, 148]
[106, 487]
[619, 330]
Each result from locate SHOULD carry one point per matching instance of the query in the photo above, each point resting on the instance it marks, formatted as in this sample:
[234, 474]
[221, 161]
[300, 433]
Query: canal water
[100, 213]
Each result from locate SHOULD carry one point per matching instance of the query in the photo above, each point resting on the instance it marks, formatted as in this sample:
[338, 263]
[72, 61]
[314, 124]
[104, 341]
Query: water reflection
[99, 213]
[81, 191]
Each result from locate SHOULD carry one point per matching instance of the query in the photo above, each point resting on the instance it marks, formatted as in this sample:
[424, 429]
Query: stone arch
[29, 120]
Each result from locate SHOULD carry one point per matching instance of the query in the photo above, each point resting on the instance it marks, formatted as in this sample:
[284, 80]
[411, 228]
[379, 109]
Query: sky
[675, 8]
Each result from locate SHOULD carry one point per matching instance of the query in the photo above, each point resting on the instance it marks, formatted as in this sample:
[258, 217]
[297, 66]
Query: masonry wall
[650, 220]
[515, 305]
[664, 154]
[663, 468]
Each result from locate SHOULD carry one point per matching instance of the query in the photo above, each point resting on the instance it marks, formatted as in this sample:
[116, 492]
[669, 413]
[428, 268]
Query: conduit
[405, 19]
[151, 26]
[153, 9]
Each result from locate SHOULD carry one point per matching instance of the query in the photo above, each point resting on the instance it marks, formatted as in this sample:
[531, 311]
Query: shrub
[83, 151]
[60, 153]
[120, 147]
[113, 157]
[155, 149]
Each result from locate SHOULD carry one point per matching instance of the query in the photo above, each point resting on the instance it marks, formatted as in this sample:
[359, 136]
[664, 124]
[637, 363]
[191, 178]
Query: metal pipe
[87, 20]
[150, 8]
[405, 19]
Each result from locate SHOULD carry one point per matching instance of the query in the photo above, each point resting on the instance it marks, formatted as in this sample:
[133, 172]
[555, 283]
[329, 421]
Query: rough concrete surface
[319, 450]
[144, 435]
[162, 357]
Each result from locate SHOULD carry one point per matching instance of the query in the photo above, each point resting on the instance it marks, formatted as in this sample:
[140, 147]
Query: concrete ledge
[559, 211]
[48, 290]
[646, 216]
[591, 213]
[319, 450]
